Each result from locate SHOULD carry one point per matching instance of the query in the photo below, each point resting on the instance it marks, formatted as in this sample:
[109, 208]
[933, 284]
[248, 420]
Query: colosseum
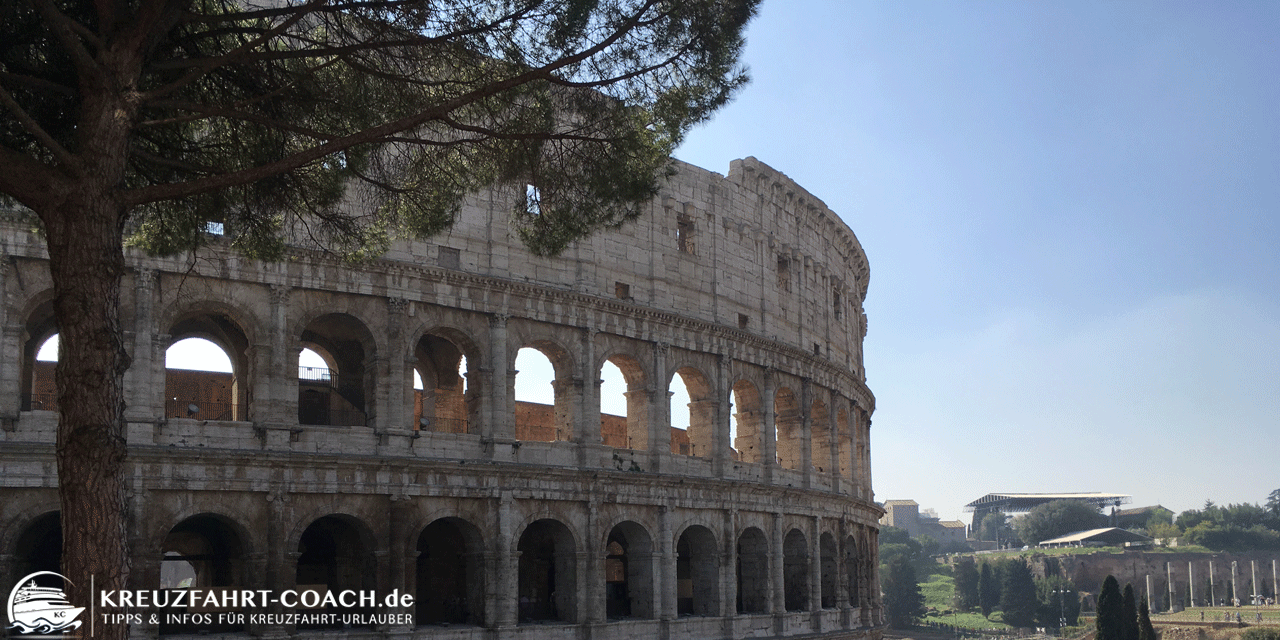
[406, 462]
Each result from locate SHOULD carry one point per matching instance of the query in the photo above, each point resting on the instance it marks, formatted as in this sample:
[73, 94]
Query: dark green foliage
[1058, 599]
[1260, 633]
[966, 584]
[1146, 630]
[350, 125]
[1128, 614]
[1057, 518]
[988, 589]
[995, 527]
[903, 601]
[1110, 620]
[1018, 595]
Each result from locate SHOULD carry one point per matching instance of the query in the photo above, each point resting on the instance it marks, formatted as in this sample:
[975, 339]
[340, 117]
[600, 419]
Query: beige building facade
[758, 522]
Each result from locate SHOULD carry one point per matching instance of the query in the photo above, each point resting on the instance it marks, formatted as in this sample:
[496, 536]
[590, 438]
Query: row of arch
[446, 383]
[450, 564]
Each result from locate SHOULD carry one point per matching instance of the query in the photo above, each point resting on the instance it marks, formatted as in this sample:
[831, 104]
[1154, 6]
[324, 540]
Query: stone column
[141, 406]
[1191, 584]
[806, 430]
[833, 425]
[815, 569]
[842, 575]
[282, 401]
[1213, 597]
[499, 391]
[592, 590]
[503, 593]
[11, 369]
[11, 360]
[768, 431]
[721, 446]
[587, 432]
[659, 409]
[281, 562]
[776, 574]
[154, 395]
[667, 576]
[401, 574]
[394, 413]
[728, 568]
[1168, 568]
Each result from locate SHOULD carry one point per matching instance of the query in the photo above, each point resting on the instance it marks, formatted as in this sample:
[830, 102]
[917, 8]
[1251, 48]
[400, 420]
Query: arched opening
[795, 571]
[542, 373]
[39, 547]
[41, 391]
[202, 552]
[548, 573]
[697, 436]
[790, 431]
[748, 424]
[845, 445]
[753, 572]
[628, 572]
[450, 574]
[624, 404]
[339, 392]
[200, 382]
[827, 545]
[851, 570]
[443, 399]
[820, 422]
[335, 554]
[206, 369]
[37, 389]
[697, 573]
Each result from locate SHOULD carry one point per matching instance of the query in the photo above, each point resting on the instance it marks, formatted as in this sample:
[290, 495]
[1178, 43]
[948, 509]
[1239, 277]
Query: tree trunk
[86, 260]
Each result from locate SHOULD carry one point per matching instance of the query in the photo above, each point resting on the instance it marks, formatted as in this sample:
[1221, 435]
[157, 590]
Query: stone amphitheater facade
[757, 522]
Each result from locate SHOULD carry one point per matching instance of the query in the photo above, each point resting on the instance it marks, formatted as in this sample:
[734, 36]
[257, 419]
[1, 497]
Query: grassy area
[938, 594]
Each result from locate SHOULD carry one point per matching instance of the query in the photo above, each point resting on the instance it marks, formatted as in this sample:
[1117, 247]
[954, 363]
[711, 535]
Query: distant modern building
[905, 514]
[1105, 537]
[1024, 502]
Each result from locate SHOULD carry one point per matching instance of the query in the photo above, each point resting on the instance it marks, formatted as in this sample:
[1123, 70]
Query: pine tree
[1129, 614]
[1146, 631]
[1018, 595]
[1110, 619]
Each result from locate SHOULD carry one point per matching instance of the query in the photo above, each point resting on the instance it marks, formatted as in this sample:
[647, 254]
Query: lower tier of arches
[488, 550]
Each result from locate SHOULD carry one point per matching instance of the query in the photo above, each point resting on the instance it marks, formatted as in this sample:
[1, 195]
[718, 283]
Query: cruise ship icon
[36, 609]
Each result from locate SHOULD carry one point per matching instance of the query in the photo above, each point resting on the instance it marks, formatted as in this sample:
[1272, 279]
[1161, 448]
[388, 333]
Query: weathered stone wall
[1190, 573]
[745, 286]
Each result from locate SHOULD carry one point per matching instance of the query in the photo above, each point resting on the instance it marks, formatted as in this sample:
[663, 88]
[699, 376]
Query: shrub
[1260, 633]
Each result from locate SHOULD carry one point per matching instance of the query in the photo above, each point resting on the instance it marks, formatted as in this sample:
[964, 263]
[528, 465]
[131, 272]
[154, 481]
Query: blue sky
[1072, 214]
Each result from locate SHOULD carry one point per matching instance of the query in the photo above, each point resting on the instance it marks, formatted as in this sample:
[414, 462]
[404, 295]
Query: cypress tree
[988, 590]
[966, 584]
[1129, 615]
[1146, 631]
[1110, 610]
[1018, 595]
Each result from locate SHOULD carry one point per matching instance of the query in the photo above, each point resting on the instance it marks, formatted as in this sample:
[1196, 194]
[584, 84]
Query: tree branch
[32, 127]
[65, 29]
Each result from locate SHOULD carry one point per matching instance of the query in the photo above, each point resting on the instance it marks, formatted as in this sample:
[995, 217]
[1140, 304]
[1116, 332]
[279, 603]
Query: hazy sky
[1072, 214]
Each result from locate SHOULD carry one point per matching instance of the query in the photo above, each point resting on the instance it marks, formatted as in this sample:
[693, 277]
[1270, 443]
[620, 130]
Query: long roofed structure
[1024, 502]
